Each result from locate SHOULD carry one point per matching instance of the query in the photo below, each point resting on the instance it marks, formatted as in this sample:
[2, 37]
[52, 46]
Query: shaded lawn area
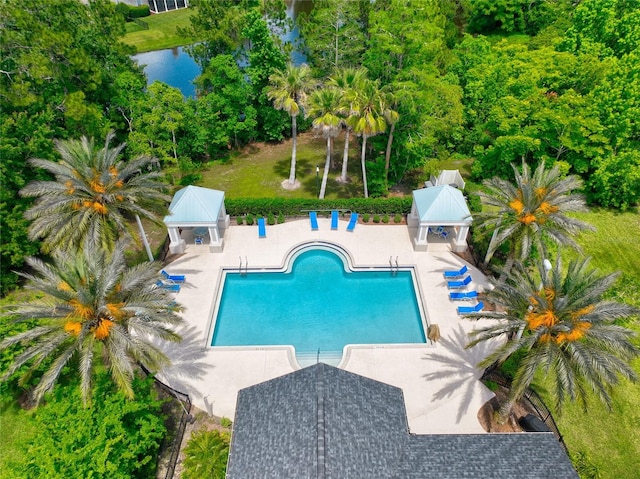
[610, 440]
[162, 32]
[17, 428]
[259, 169]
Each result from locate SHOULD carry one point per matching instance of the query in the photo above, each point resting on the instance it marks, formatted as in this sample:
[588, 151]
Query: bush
[385, 219]
[249, 219]
[271, 220]
[366, 217]
[139, 11]
[376, 218]
[239, 220]
[131, 12]
[114, 437]
[225, 422]
[206, 454]
[280, 217]
[397, 218]
[471, 193]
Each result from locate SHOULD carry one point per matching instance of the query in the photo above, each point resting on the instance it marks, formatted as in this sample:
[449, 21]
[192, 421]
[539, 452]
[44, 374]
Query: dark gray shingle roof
[324, 422]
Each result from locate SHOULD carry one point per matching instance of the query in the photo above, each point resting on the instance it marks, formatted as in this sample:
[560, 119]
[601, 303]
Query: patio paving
[440, 382]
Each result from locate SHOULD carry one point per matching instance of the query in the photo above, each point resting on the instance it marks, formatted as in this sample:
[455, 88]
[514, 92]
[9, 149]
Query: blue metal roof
[195, 204]
[441, 204]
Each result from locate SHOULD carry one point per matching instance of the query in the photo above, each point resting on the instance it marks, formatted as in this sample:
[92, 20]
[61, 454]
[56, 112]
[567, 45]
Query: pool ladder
[246, 265]
[394, 267]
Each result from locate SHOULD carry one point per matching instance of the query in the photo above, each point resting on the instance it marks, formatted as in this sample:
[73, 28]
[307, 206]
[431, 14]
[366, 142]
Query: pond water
[172, 66]
[177, 69]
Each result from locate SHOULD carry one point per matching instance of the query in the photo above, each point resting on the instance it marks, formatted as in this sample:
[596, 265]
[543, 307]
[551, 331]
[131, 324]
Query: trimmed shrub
[139, 12]
[385, 218]
[366, 217]
[271, 220]
[397, 218]
[130, 12]
[300, 206]
[376, 218]
[280, 217]
[249, 219]
[239, 220]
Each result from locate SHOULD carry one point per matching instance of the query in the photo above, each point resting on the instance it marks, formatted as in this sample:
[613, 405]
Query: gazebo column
[177, 245]
[460, 241]
[420, 242]
[215, 246]
[413, 221]
[223, 218]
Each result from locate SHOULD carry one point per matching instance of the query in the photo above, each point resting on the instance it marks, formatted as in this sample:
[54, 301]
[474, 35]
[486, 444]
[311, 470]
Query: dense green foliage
[59, 61]
[114, 438]
[206, 454]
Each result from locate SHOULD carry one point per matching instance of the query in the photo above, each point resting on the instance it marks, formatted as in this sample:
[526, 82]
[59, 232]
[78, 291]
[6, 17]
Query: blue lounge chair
[471, 309]
[168, 286]
[352, 222]
[262, 230]
[439, 231]
[176, 278]
[455, 274]
[334, 220]
[463, 295]
[313, 217]
[459, 284]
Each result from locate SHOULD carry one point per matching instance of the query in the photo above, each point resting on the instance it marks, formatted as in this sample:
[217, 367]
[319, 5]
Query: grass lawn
[610, 440]
[161, 33]
[17, 429]
[258, 171]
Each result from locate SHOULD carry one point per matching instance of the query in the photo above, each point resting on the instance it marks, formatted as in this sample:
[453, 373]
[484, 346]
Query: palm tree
[348, 80]
[392, 118]
[95, 195]
[95, 309]
[531, 210]
[370, 118]
[324, 106]
[569, 331]
[288, 91]
[206, 455]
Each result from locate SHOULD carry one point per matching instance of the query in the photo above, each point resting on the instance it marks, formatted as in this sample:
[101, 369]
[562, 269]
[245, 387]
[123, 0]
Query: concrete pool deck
[440, 382]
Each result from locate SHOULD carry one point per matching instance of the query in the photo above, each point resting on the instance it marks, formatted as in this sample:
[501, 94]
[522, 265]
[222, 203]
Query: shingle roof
[441, 204]
[324, 422]
[194, 204]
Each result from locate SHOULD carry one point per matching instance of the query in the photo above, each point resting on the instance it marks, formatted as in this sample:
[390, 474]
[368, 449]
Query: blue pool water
[318, 305]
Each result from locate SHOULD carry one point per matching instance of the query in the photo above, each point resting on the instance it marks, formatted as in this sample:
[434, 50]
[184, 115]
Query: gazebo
[200, 210]
[440, 208]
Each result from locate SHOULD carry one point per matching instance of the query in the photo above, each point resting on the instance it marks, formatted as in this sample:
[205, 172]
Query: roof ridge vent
[320, 423]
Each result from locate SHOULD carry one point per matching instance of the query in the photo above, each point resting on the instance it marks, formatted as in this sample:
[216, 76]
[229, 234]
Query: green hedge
[130, 12]
[301, 206]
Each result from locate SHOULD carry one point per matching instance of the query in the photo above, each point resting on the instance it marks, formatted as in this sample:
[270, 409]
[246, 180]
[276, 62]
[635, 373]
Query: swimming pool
[319, 304]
